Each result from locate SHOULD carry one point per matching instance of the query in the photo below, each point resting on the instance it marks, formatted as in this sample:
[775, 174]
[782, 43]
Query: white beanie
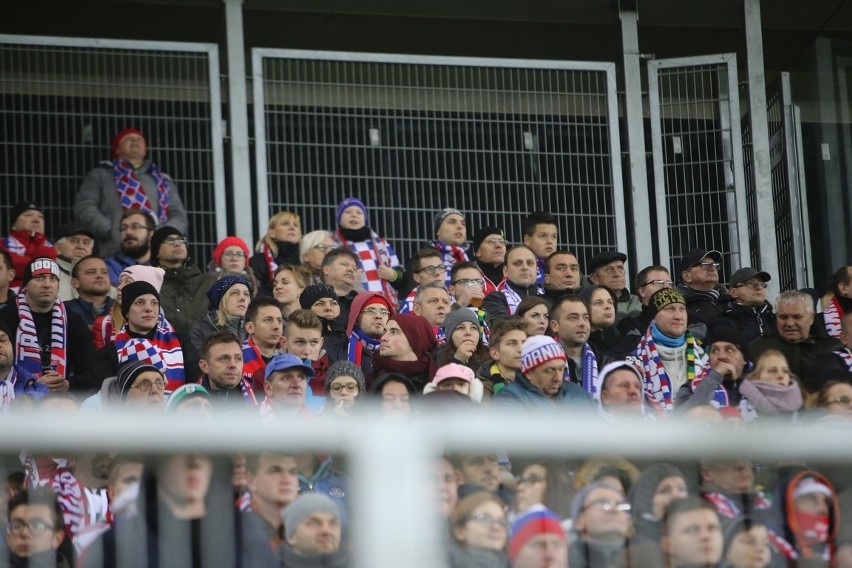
[538, 350]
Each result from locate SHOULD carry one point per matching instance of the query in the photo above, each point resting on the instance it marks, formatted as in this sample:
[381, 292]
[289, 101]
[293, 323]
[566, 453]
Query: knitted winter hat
[219, 288]
[139, 349]
[128, 373]
[456, 317]
[153, 275]
[344, 368]
[38, 267]
[157, 239]
[132, 291]
[352, 202]
[229, 242]
[645, 487]
[304, 505]
[443, 214]
[118, 137]
[482, 234]
[18, 209]
[185, 392]
[540, 349]
[583, 494]
[728, 335]
[661, 299]
[314, 293]
[539, 520]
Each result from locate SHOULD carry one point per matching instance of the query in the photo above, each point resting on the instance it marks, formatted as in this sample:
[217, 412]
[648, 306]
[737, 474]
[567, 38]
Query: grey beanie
[305, 504]
[580, 497]
[645, 487]
[345, 368]
[456, 317]
[443, 214]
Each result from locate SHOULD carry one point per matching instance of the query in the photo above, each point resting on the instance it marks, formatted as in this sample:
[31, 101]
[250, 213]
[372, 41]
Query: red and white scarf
[271, 265]
[833, 316]
[58, 474]
[658, 384]
[371, 254]
[132, 195]
[28, 353]
[450, 255]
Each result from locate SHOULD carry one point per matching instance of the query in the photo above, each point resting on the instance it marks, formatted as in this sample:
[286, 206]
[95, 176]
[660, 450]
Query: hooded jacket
[344, 350]
[522, 394]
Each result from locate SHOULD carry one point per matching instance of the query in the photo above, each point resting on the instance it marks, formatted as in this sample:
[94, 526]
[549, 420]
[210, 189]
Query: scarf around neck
[658, 384]
[833, 316]
[131, 194]
[358, 342]
[28, 351]
[168, 345]
[772, 398]
[372, 251]
[450, 254]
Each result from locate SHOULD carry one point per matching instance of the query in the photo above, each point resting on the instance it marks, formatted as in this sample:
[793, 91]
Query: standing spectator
[806, 515]
[619, 391]
[26, 240]
[105, 327]
[135, 230]
[183, 295]
[569, 322]
[729, 362]
[90, 280]
[288, 283]
[450, 237]
[541, 235]
[394, 392]
[129, 181]
[230, 258]
[280, 245]
[74, 243]
[264, 324]
[657, 486]
[312, 250]
[377, 261]
[344, 388]
[770, 389]
[747, 543]
[464, 341]
[273, 479]
[489, 248]
[604, 337]
[321, 299]
[433, 303]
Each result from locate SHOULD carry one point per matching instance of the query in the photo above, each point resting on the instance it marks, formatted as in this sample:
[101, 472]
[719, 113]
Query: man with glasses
[600, 516]
[649, 280]
[183, 295]
[365, 327]
[748, 311]
[35, 530]
[699, 284]
[607, 269]
[426, 265]
[135, 230]
[127, 181]
[489, 248]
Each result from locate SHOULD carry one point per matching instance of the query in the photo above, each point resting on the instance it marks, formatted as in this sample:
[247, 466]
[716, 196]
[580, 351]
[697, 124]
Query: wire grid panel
[697, 145]
[412, 135]
[62, 100]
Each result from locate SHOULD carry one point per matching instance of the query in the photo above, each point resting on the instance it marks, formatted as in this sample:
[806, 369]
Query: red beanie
[229, 242]
[117, 140]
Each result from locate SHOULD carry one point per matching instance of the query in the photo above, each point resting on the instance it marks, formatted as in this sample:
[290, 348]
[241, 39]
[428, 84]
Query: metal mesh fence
[411, 136]
[62, 101]
[694, 126]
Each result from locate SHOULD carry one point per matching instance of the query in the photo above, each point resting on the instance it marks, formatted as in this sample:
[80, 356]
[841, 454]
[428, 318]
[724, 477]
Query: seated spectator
[313, 534]
[729, 361]
[280, 245]
[377, 261]
[90, 281]
[837, 301]
[801, 342]
[538, 541]
[834, 399]
[317, 474]
[26, 240]
[806, 516]
[534, 311]
[230, 258]
[770, 390]
[569, 322]
[489, 248]
[542, 482]
[340, 271]
[286, 386]
[651, 493]
[520, 283]
[464, 340]
[406, 348]
[15, 380]
[303, 338]
[541, 382]
[649, 280]
[837, 363]
[135, 231]
[139, 386]
[467, 286]
[312, 250]
[699, 283]
[619, 391]
[562, 276]
[221, 366]
[34, 533]
[288, 283]
[505, 352]
[273, 480]
[692, 534]
[616, 472]
[730, 486]
[600, 524]
[479, 531]
[228, 299]
[458, 378]
[129, 181]
[344, 388]
[264, 324]
[748, 311]
[432, 302]
[192, 400]
[425, 266]
[365, 327]
[607, 269]
[747, 543]
[7, 275]
[74, 243]
[541, 235]
[450, 237]
[394, 392]
[604, 338]
[321, 299]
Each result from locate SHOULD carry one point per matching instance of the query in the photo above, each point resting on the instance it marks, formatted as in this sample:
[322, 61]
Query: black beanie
[314, 292]
[20, 208]
[157, 239]
[132, 291]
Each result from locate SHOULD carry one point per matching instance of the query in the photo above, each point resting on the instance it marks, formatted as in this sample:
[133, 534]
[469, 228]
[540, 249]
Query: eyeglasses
[709, 265]
[133, 227]
[495, 241]
[467, 282]
[844, 400]
[487, 519]
[604, 505]
[374, 312]
[350, 387]
[234, 254]
[754, 285]
[530, 479]
[175, 241]
[325, 248]
[36, 525]
[432, 270]
[146, 386]
[668, 283]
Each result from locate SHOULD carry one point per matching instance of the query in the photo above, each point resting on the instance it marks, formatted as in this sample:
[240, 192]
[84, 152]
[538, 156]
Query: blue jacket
[524, 395]
[85, 309]
[116, 263]
[25, 384]
[328, 481]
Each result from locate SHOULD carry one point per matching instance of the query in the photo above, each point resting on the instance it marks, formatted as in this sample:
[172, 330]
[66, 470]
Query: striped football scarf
[132, 195]
[28, 353]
